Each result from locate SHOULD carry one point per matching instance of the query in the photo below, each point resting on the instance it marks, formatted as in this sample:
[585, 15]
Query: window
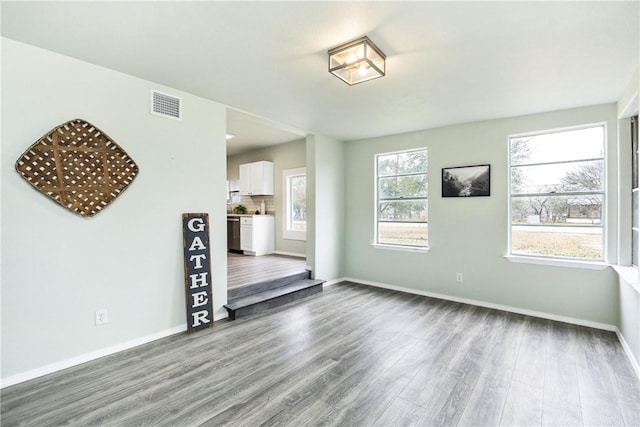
[557, 194]
[634, 192]
[401, 199]
[295, 204]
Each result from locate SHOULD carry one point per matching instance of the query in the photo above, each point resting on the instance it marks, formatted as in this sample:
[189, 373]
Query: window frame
[635, 189]
[376, 243]
[591, 263]
[287, 232]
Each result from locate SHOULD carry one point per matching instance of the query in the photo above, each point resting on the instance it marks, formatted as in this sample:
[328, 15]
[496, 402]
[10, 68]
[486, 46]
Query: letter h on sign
[197, 271]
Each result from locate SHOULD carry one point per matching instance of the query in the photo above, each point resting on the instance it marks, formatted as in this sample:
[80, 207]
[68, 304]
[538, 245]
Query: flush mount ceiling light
[357, 61]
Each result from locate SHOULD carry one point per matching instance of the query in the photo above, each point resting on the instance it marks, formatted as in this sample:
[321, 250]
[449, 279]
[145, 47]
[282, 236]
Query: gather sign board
[197, 271]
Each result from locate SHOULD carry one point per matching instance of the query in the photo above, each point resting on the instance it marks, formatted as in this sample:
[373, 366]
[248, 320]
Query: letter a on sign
[197, 271]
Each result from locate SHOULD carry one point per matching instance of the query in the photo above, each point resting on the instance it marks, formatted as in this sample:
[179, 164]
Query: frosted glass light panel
[357, 61]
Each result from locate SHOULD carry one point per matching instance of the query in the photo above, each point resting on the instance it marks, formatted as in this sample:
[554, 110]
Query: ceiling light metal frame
[369, 63]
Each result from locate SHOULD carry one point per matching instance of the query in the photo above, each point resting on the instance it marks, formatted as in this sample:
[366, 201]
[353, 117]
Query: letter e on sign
[197, 271]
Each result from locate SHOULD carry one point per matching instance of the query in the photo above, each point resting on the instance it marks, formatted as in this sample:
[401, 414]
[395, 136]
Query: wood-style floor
[351, 356]
[243, 270]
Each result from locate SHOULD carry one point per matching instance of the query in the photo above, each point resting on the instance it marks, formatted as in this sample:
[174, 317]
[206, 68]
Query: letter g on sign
[196, 224]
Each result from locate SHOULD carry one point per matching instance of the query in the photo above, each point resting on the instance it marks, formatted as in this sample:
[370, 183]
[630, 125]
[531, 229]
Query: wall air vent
[166, 105]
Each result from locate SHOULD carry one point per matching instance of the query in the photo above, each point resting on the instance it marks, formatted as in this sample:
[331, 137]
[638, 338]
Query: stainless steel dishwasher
[233, 234]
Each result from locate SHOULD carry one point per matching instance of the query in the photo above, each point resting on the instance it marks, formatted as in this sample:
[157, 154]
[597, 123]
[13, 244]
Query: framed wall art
[466, 181]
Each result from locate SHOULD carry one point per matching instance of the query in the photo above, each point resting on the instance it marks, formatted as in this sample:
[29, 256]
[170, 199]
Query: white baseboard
[293, 254]
[87, 357]
[333, 282]
[629, 353]
[542, 315]
[533, 313]
[216, 317]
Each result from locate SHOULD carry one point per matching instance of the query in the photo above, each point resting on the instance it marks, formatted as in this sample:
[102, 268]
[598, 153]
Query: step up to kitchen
[271, 298]
[265, 285]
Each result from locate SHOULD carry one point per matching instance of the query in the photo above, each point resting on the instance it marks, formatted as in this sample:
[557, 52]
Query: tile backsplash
[253, 204]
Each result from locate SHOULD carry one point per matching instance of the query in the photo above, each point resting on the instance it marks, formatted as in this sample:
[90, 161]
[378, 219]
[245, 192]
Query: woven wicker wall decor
[78, 166]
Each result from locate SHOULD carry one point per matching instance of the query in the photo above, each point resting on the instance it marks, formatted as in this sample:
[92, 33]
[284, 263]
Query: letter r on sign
[199, 317]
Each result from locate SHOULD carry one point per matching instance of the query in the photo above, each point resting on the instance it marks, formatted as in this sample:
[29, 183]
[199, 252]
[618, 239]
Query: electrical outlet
[101, 317]
[459, 277]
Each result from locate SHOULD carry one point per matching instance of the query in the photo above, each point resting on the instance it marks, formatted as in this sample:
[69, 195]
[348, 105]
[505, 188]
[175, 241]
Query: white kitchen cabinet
[256, 179]
[246, 234]
[257, 234]
[234, 185]
[245, 179]
[233, 191]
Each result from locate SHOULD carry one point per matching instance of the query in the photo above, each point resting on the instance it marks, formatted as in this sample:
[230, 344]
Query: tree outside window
[401, 193]
[558, 193]
[294, 204]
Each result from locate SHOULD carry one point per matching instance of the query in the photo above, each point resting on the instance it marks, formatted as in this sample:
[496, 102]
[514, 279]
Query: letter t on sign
[197, 271]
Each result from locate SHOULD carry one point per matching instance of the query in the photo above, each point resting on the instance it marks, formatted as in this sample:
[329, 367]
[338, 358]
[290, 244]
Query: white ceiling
[252, 132]
[448, 62]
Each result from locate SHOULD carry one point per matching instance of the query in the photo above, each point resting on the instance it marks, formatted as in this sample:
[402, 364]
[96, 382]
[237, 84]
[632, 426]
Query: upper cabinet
[256, 179]
[233, 191]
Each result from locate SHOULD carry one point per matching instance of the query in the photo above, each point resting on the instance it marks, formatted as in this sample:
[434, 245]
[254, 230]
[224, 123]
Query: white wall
[57, 267]
[469, 235]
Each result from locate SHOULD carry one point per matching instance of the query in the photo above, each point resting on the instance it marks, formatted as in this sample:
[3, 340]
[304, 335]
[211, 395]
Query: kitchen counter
[256, 233]
[232, 214]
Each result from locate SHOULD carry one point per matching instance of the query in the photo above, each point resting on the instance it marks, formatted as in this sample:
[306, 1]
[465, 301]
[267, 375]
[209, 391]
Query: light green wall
[284, 156]
[629, 323]
[624, 188]
[57, 267]
[629, 296]
[628, 102]
[325, 207]
[469, 235]
[49, 296]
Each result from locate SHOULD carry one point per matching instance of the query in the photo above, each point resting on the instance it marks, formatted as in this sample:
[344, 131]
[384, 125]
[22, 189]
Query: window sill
[400, 248]
[294, 235]
[590, 265]
[629, 274]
